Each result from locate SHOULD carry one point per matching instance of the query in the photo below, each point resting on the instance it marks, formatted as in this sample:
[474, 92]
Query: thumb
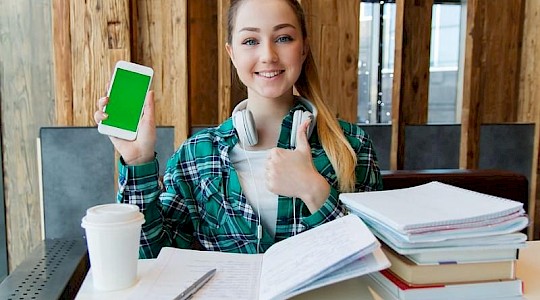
[149, 107]
[302, 143]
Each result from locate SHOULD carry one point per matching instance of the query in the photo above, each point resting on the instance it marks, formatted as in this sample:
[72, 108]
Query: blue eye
[284, 39]
[249, 42]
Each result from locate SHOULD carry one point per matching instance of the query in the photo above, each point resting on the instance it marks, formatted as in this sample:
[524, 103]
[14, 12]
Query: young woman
[274, 169]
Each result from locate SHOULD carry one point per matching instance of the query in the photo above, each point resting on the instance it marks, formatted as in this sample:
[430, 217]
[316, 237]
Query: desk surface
[528, 268]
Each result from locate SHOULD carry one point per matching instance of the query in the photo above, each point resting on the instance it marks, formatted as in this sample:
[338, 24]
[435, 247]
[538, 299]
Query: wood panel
[224, 64]
[61, 35]
[470, 111]
[160, 41]
[491, 71]
[502, 39]
[27, 103]
[411, 72]
[100, 35]
[333, 33]
[203, 68]
[529, 100]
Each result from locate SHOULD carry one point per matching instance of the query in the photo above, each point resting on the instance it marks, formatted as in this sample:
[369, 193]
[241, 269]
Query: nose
[268, 53]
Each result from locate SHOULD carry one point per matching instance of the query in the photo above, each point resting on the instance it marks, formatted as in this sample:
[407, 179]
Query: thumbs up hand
[291, 172]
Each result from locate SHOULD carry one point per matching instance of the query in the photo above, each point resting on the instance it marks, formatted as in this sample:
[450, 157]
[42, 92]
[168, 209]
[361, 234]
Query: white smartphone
[127, 91]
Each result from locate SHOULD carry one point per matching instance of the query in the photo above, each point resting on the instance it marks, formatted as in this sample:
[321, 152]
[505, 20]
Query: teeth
[269, 74]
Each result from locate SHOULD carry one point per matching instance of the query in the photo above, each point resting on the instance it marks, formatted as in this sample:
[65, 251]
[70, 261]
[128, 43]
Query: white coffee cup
[112, 234]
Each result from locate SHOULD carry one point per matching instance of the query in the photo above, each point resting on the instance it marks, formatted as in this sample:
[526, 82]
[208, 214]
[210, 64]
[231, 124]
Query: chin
[273, 93]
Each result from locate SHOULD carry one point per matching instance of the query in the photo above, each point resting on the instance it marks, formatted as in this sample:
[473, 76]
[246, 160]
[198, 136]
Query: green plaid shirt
[201, 200]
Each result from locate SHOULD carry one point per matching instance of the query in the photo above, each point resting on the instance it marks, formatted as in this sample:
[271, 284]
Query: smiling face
[267, 47]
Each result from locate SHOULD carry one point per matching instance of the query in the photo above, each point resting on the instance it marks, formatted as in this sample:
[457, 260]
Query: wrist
[139, 160]
[316, 192]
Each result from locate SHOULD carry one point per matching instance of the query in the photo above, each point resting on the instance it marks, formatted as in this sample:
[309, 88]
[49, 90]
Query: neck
[268, 115]
[264, 109]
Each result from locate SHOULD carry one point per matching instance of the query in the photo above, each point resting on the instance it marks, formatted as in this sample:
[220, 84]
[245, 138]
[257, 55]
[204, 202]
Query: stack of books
[444, 242]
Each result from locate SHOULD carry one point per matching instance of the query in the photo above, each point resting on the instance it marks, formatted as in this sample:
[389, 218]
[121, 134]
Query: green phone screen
[126, 99]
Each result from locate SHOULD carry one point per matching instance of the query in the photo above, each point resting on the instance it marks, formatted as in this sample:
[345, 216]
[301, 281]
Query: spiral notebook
[432, 206]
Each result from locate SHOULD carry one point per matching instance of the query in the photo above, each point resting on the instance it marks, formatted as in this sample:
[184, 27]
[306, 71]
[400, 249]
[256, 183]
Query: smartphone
[127, 91]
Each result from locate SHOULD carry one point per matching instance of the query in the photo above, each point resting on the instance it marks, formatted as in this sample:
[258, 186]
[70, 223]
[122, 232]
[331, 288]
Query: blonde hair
[335, 144]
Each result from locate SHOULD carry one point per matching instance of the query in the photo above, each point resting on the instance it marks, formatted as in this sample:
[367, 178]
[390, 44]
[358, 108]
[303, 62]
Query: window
[376, 61]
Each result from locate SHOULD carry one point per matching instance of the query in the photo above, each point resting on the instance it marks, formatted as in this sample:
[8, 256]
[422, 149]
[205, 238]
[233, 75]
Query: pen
[192, 289]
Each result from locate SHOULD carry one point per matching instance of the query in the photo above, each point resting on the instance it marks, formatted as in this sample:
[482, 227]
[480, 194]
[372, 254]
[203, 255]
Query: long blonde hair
[335, 144]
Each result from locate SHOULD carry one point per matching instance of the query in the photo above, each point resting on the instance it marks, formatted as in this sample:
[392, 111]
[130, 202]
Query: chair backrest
[507, 147]
[432, 146]
[381, 136]
[78, 172]
[77, 169]
[164, 146]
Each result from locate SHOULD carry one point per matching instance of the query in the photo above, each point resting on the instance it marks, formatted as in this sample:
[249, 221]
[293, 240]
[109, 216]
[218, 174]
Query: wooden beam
[100, 35]
[203, 70]
[224, 64]
[470, 111]
[333, 34]
[491, 71]
[162, 43]
[529, 102]
[411, 72]
[27, 103]
[62, 62]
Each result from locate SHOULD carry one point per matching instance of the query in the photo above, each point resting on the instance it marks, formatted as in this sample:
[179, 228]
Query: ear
[230, 52]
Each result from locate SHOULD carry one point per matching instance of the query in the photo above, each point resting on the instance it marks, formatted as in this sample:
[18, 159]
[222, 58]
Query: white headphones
[245, 125]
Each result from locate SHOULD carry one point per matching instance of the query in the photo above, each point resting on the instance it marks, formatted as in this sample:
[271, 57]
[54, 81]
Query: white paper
[297, 263]
[237, 275]
[372, 262]
[430, 204]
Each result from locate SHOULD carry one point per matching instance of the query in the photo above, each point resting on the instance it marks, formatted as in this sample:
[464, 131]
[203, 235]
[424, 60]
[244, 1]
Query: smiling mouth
[271, 74]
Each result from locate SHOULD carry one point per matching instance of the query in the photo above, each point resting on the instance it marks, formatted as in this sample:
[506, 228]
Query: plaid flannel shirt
[201, 199]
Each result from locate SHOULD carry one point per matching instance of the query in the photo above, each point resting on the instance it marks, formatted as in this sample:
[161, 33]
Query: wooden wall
[58, 56]
[333, 33]
[411, 73]
[27, 102]
[528, 105]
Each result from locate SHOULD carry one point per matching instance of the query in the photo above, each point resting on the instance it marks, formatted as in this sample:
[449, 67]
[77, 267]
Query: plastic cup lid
[112, 214]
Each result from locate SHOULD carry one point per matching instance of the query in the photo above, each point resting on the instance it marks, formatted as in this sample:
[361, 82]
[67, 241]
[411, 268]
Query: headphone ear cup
[245, 127]
[299, 118]
[308, 115]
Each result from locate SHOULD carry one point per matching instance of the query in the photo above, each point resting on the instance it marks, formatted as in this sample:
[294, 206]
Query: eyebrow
[277, 27]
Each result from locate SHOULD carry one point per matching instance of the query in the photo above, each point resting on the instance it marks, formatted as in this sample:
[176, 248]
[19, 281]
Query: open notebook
[335, 251]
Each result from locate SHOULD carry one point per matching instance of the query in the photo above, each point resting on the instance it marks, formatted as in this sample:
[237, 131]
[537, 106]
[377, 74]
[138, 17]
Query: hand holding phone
[127, 91]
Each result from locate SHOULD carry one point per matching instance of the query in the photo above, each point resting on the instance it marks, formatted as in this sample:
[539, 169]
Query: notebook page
[237, 275]
[372, 262]
[430, 204]
[299, 260]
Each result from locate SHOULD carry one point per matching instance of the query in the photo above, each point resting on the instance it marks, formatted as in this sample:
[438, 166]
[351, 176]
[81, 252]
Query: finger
[100, 116]
[102, 102]
[302, 143]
